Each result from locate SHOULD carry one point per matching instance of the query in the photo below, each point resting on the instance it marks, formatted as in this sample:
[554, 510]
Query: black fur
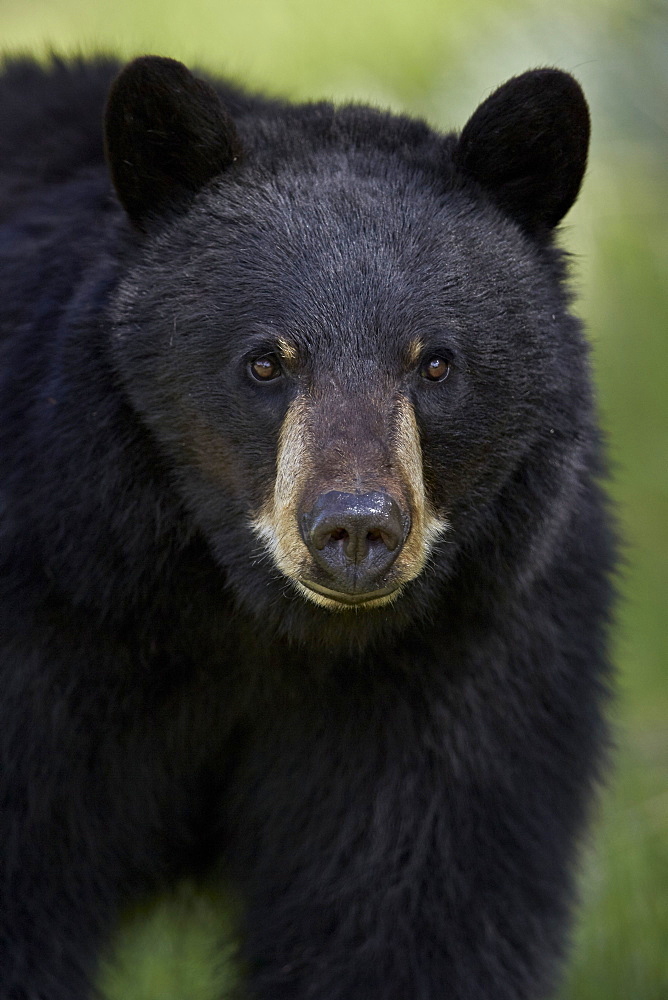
[527, 144]
[167, 135]
[397, 794]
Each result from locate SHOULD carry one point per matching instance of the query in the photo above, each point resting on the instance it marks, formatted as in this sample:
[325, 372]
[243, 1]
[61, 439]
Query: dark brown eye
[435, 370]
[265, 369]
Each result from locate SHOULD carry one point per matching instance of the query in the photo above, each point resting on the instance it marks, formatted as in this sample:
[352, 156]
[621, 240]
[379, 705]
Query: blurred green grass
[439, 59]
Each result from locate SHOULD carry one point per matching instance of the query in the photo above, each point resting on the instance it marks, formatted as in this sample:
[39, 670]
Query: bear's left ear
[166, 134]
[526, 145]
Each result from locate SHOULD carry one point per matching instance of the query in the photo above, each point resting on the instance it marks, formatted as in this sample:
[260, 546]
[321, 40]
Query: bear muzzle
[348, 520]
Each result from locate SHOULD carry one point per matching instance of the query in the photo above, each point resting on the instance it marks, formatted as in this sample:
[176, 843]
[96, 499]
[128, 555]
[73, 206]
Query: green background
[439, 59]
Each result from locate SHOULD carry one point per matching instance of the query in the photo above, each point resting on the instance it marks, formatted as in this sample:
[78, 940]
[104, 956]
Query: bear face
[360, 352]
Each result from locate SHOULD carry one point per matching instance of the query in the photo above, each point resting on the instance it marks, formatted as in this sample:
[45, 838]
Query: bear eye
[435, 369]
[265, 369]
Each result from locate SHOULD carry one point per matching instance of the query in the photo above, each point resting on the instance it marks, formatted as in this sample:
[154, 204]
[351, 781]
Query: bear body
[305, 561]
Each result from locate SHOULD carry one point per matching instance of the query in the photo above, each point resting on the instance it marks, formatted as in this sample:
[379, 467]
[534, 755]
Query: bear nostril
[390, 539]
[324, 535]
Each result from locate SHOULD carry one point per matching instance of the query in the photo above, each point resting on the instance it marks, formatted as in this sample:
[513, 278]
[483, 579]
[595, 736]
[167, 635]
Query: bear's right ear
[166, 134]
[526, 146]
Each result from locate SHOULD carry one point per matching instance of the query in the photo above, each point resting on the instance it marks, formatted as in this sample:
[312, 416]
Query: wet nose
[354, 537]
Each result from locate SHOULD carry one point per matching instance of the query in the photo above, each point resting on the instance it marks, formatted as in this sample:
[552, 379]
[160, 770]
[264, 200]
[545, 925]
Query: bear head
[349, 336]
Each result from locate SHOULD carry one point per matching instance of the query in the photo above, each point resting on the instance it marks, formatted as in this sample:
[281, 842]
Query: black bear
[306, 565]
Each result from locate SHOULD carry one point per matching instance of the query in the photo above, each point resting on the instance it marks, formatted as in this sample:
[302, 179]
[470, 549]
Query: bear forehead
[330, 223]
[327, 252]
[330, 195]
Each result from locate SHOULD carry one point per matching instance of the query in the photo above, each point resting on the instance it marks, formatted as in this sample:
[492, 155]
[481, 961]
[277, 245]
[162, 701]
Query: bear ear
[166, 134]
[526, 145]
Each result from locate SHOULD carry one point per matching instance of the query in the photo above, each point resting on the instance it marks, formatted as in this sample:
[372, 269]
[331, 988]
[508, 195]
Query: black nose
[354, 537]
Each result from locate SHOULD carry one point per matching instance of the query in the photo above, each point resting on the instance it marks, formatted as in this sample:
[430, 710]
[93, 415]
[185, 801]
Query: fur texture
[396, 791]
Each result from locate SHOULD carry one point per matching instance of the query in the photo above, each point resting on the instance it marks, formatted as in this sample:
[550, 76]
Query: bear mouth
[350, 600]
